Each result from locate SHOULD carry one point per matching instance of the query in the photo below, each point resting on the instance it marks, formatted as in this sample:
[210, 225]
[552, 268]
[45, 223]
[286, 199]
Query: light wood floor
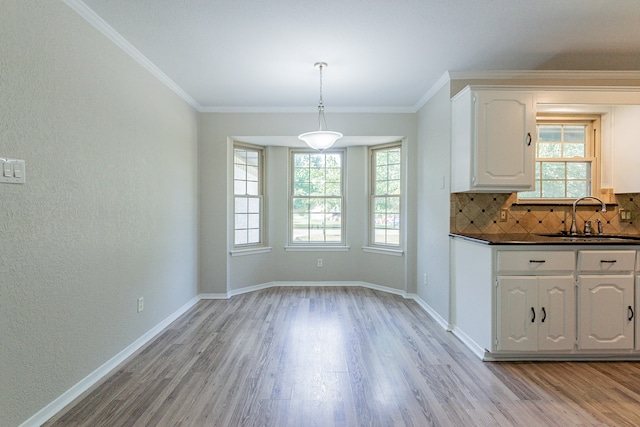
[330, 356]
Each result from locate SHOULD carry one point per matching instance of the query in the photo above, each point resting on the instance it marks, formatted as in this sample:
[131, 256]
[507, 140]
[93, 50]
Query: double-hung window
[317, 198]
[386, 190]
[566, 159]
[248, 196]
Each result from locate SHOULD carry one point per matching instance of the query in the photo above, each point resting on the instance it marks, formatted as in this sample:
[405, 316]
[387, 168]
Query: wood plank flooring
[334, 356]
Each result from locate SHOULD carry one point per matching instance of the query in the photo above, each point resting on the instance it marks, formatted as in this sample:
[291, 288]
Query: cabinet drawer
[606, 261]
[536, 261]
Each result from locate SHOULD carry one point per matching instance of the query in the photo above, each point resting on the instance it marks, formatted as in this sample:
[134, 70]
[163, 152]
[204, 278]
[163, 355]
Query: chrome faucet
[574, 228]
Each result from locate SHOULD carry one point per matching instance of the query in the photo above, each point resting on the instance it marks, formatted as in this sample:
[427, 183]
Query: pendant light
[322, 138]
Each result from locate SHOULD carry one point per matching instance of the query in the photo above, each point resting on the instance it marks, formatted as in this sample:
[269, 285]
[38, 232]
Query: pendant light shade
[322, 138]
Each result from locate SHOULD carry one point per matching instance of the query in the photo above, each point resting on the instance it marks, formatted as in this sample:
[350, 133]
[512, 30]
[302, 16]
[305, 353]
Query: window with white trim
[386, 191]
[566, 159]
[317, 198]
[248, 196]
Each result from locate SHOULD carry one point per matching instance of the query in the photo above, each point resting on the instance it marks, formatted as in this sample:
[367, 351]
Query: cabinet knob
[544, 315]
[528, 139]
[630, 313]
[533, 312]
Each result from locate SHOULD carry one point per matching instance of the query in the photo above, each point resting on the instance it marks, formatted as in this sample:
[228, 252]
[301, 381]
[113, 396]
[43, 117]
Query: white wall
[108, 212]
[433, 210]
[219, 272]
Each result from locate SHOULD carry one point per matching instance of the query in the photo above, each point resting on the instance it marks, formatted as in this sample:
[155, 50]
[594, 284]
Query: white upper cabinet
[626, 148]
[493, 132]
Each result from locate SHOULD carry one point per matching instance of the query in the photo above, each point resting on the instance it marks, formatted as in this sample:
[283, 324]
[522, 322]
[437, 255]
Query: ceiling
[382, 55]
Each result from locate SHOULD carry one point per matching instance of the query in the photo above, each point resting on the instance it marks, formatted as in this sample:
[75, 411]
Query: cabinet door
[636, 297]
[517, 313]
[505, 126]
[556, 302]
[606, 312]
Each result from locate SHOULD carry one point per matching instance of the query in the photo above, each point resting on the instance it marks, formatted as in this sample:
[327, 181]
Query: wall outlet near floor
[503, 214]
[140, 304]
[320, 263]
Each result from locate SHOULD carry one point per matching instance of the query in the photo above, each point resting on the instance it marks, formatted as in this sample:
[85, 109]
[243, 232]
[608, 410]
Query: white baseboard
[94, 377]
[267, 285]
[213, 296]
[471, 344]
[431, 312]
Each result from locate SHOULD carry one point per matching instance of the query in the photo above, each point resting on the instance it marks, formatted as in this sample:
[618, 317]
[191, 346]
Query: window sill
[250, 251]
[383, 251]
[316, 248]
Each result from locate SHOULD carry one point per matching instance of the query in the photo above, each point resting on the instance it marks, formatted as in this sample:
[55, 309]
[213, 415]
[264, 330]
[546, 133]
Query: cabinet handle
[610, 261]
[544, 315]
[538, 261]
[631, 313]
[528, 139]
[533, 311]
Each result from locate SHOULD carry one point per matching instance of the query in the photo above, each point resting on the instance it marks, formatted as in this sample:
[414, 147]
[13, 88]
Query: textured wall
[108, 212]
[434, 134]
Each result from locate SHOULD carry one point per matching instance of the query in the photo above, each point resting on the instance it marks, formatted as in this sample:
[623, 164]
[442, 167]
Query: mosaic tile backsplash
[480, 213]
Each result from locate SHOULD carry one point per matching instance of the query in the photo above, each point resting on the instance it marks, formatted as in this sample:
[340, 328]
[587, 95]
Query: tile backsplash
[480, 213]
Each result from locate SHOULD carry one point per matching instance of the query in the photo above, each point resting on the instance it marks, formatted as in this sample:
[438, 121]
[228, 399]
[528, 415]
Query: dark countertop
[537, 239]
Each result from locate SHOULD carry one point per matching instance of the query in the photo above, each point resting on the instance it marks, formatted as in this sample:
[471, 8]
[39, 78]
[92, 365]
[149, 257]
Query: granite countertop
[539, 239]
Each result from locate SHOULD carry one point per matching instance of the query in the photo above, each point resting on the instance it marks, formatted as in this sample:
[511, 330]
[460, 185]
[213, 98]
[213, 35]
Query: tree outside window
[317, 202]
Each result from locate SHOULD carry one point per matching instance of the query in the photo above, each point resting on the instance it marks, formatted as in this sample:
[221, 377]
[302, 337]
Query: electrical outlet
[320, 263]
[503, 215]
[625, 215]
[425, 278]
[140, 304]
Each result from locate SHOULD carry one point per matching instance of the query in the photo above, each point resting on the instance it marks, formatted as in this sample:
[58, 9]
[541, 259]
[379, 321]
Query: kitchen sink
[593, 237]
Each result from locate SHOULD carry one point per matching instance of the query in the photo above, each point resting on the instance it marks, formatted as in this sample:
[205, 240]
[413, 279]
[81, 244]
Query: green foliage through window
[385, 198]
[563, 168]
[317, 199]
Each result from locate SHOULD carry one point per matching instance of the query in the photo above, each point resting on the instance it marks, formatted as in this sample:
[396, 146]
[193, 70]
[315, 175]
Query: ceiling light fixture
[322, 138]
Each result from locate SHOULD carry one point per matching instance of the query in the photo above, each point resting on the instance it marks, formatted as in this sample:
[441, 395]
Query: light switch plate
[12, 171]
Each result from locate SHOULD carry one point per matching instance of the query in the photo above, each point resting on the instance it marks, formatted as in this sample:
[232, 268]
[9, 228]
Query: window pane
[574, 150]
[241, 237]
[577, 189]
[393, 187]
[253, 236]
[239, 171]
[252, 158]
[549, 133]
[241, 204]
[252, 188]
[552, 170]
[547, 150]
[241, 221]
[247, 181]
[317, 198]
[254, 205]
[578, 170]
[553, 189]
[574, 133]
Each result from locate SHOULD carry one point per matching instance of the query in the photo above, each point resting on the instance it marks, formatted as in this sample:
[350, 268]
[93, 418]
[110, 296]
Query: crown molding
[544, 74]
[100, 24]
[439, 84]
[306, 110]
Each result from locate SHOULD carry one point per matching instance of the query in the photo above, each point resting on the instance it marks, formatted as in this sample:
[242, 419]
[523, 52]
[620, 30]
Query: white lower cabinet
[606, 312]
[535, 313]
[547, 302]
